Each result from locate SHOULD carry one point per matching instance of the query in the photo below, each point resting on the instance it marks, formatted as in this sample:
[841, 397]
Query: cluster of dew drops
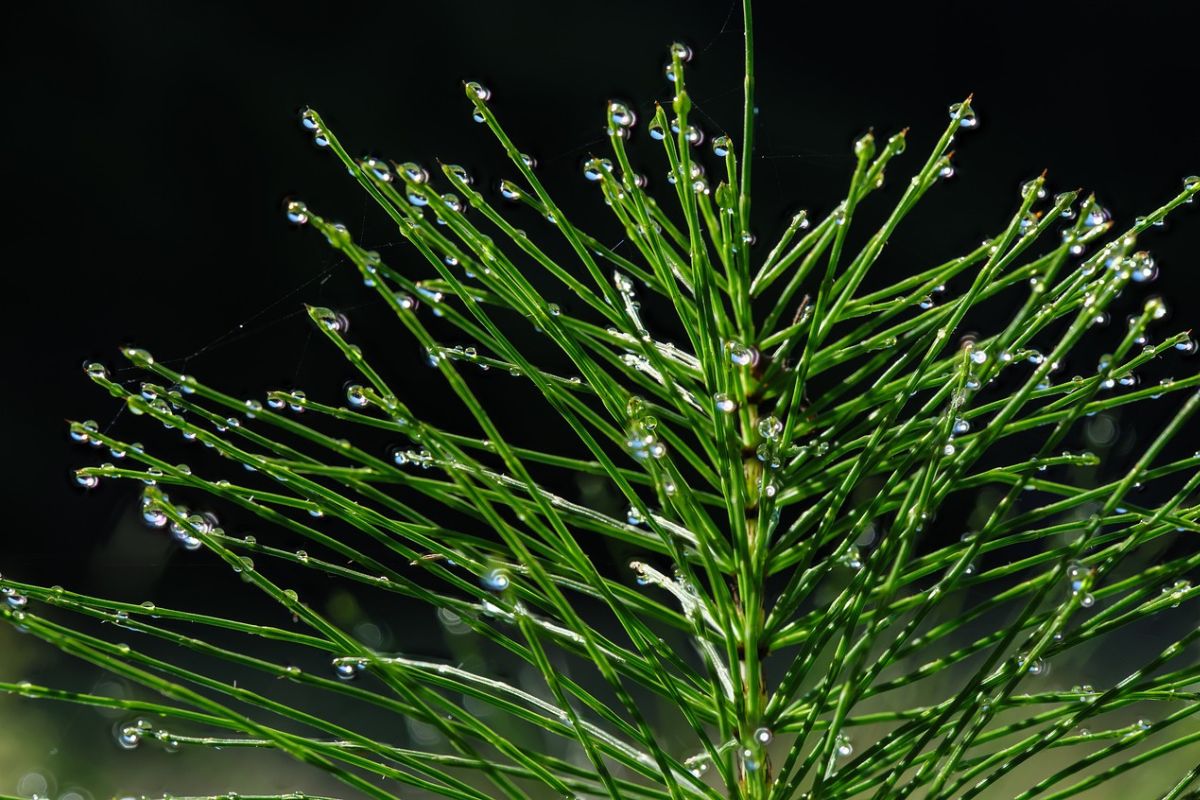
[643, 442]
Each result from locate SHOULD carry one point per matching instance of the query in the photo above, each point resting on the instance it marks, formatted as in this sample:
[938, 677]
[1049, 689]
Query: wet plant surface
[668, 502]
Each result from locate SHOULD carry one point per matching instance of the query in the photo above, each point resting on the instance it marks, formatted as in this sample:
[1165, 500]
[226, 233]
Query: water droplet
[724, 403]
[496, 580]
[346, 670]
[509, 190]
[763, 736]
[843, 746]
[478, 91]
[96, 370]
[356, 396]
[852, 558]
[770, 427]
[129, 736]
[378, 169]
[721, 146]
[681, 51]
[81, 431]
[741, 355]
[964, 114]
[1096, 215]
[138, 356]
[620, 114]
[329, 319]
[596, 168]
[1037, 667]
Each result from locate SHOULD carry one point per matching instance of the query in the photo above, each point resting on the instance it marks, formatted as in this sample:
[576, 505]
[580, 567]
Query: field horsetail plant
[844, 542]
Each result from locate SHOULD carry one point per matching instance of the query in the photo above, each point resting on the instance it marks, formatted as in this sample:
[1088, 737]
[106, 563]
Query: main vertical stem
[756, 781]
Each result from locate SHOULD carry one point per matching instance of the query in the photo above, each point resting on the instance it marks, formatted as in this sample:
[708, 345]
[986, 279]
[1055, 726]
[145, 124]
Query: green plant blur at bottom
[792, 623]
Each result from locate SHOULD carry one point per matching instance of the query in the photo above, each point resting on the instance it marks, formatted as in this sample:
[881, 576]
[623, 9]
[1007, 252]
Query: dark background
[150, 146]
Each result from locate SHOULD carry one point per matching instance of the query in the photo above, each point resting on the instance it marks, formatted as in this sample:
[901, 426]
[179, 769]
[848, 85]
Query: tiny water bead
[964, 114]
[764, 736]
[1037, 667]
[1034, 187]
[356, 396]
[347, 670]
[415, 173]
[741, 355]
[851, 558]
[721, 146]
[621, 115]
[697, 765]
[656, 130]
[1077, 575]
[496, 580]
[129, 736]
[770, 427]
[1096, 215]
[13, 598]
[509, 190]
[843, 746]
[82, 431]
[378, 169]
[329, 319]
[595, 169]
[724, 403]
[478, 91]
[138, 356]
[96, 370]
